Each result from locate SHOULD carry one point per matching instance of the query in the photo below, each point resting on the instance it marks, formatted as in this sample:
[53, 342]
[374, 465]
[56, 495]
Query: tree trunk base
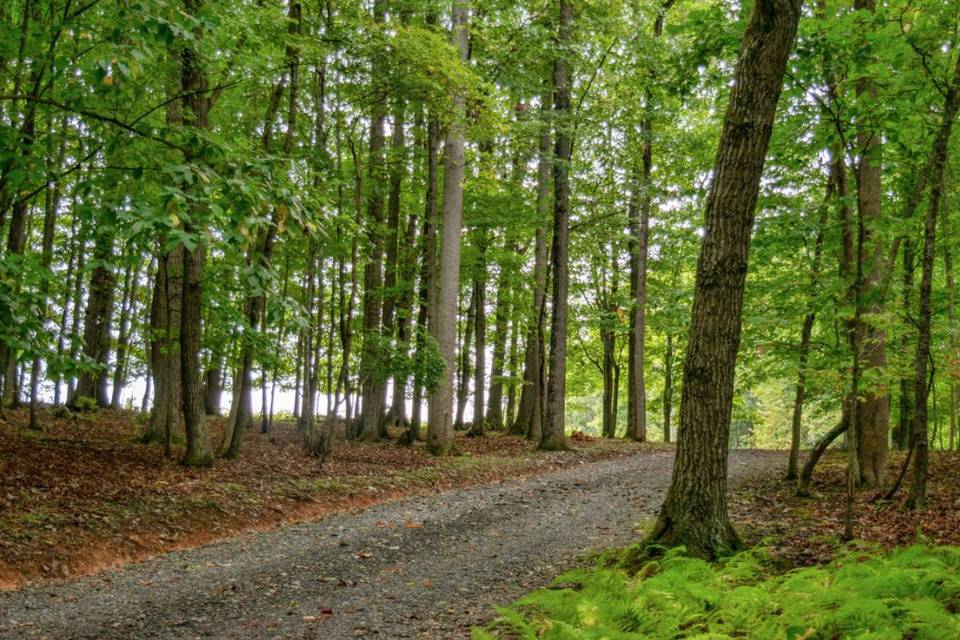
[198, 459]
[554, 443]
[439, 449]
[701, 538]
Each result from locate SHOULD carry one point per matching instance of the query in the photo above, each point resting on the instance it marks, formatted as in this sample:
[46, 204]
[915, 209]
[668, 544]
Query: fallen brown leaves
[806, 531]
[82, 494]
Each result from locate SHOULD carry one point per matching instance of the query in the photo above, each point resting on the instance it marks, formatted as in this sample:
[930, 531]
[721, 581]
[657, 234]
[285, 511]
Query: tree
[444, 326]
[196, 106]
[694, 512]
[918, 489]
[553, 437]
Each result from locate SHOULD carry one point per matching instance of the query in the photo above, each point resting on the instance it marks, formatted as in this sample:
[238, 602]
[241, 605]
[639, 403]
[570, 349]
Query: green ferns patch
[908, 593]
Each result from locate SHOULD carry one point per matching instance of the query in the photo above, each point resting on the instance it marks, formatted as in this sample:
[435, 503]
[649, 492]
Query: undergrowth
[864, 595]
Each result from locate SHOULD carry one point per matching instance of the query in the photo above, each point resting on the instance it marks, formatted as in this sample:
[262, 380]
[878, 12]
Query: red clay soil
[807, 531]
[82, 494]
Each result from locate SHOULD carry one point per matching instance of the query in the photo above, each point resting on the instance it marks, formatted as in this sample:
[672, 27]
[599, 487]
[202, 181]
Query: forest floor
[807, 531]
[384, 542]
[82, 494]
[430, 566]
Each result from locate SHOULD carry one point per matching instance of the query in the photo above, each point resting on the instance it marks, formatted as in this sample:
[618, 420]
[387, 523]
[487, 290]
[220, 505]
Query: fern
[864, 595]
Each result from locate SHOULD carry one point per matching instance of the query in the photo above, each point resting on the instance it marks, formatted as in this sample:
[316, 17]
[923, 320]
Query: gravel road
[426, 567]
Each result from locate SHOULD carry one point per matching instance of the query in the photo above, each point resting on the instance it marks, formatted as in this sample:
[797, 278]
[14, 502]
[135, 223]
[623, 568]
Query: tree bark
[392, 296]
[641, 197]
[904, 426]
[873, 412]
[478, 428]
[463, 386]
[553, 437]
[428, 269]
[96, 326]
[515, 371]
[500, 331]
[954, 401]
[371, 360]
[165, 309]
[694, 512]
[529, 421]
[668, 388]
[918, 489]
[51, 205]
[128, 309]
[196, 105]
[443, 327]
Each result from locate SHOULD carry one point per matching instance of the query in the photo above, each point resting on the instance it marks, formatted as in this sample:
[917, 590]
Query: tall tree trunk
[371, 361]
[873, 412]
[608, 308]
[918, 489]
[901, 432]
[307, 410]
[78, 314]
[954, 402]
[428, 268]
[515, 364]
[478, 428]
[463, 386]
[694, 512]
[500, 331]
[50, 206]
[96, 326]
[529, 421]
[196, 104]
[796, 422]
[553, 437]
[443, 327]
[165, 309]
[392, 297]
[213, 384]
[609, 413]
[262, 249]
[668, 388]
[641, 197]
[128, 309]
[66, 299]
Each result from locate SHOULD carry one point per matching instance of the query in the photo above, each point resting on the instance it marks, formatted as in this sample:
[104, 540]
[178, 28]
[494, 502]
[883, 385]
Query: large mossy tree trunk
[694, 512]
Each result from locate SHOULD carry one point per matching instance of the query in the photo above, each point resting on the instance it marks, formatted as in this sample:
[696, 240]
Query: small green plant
[84, 404]
[907, 593]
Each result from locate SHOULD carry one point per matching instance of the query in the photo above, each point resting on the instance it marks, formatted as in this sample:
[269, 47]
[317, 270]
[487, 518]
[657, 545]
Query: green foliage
[907, 593]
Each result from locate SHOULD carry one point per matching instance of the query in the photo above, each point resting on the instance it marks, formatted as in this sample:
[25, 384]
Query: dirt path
[427, 567]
